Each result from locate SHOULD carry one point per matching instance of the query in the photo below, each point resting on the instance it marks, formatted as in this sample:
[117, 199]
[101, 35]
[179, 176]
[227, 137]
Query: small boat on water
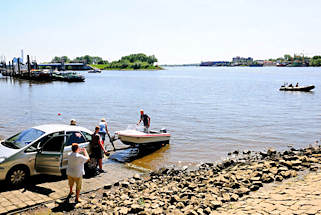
[134, 137]
[94, 71]
[73, 77]
[68, 76]
[299, 88]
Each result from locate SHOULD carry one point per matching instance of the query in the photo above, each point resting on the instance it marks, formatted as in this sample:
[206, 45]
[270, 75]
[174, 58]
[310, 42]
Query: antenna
[22, 57]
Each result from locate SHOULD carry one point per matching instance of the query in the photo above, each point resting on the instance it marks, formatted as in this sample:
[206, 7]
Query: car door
[72, 137]
[49, 156]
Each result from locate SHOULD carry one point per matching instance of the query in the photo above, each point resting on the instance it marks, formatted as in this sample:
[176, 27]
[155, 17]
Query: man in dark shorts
[146, 120]
[97, 149]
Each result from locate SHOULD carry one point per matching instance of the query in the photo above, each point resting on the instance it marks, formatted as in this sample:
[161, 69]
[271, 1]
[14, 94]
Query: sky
[175, 31]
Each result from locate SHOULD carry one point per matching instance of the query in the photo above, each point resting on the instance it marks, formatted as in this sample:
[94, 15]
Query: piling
[13, 72]
[9, 69]
[19, 72]
[28, 63]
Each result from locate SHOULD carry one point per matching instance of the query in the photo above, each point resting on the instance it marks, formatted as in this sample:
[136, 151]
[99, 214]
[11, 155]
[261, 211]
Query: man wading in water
[146, 120]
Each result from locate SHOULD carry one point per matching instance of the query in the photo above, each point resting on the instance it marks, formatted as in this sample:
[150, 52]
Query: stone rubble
[210, 189]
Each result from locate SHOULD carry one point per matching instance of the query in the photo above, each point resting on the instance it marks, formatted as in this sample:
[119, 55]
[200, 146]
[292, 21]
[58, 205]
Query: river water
[209, 111]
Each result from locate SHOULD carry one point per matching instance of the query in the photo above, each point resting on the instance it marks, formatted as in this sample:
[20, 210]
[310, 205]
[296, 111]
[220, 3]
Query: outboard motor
[163, 130]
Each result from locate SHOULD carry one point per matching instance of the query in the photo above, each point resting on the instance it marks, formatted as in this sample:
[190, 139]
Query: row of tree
[87, 59]
[315, 61]
[133, 61]
[298, 60]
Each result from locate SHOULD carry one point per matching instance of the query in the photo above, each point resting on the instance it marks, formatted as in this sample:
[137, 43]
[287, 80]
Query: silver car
[39, 150]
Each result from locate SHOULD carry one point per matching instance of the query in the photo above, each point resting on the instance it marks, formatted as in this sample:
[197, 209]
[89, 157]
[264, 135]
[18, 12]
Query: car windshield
[23, 138]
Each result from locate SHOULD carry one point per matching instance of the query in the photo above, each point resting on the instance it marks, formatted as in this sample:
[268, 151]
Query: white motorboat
[134, 137]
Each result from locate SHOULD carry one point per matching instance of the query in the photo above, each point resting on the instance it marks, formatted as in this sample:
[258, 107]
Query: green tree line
[132, 61]
[87, 59]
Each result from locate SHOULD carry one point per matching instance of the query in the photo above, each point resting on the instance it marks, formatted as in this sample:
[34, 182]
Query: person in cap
[75, 169]
[146, 120]
[97, 149]
[103, 130]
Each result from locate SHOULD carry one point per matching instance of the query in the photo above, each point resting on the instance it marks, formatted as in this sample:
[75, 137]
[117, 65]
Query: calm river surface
[209, 111]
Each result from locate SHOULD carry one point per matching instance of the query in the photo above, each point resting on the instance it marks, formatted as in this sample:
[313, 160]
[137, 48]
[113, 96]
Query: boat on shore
[299, 88]
[134, 137]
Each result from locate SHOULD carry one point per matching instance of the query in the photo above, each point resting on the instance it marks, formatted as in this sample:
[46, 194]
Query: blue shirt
[102, 127]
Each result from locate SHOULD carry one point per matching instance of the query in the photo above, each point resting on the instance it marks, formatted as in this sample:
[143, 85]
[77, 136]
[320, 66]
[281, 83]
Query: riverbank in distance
[107, 67]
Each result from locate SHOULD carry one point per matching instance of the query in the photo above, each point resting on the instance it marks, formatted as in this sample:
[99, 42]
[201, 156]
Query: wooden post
[19, 72]
[12, 68]
[28, 63]
[9, 69]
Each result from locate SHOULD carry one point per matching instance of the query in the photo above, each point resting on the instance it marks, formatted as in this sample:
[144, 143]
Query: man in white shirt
[75, 169]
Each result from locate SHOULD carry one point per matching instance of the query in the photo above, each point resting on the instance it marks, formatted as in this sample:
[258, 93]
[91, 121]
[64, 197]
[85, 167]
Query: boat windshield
[23, 138]
[135, 127]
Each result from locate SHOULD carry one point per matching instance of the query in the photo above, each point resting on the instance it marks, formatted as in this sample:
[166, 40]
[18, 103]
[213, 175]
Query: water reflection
[21, 82]
[142, 156]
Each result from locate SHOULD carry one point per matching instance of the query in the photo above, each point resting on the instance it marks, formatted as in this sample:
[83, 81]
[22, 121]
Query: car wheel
[17, 176]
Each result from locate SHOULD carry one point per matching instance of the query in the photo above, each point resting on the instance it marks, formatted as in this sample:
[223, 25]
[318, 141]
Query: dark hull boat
[302, 88]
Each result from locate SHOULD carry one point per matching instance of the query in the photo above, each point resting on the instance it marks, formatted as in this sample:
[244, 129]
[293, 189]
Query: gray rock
[136, 208]
[124, 184]
[285, 174]
[123, 210]
[136, 176]
[278, 178]
[108, 186]
[226, 197]
[267, 178]
[242, 191]
[314, 168]
[254, 187]
[216, 204]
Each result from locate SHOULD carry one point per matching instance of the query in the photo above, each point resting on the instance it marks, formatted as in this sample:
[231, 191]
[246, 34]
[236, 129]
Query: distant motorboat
[94, 71]
[299, 88]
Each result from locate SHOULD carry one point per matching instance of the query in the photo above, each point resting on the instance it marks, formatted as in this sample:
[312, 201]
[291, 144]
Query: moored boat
[68, 76]
[73, 77]
[299, 88]
[94, 71]
[138, 138]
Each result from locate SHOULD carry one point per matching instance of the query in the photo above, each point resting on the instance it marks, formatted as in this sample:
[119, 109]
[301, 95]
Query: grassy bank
[107, 67]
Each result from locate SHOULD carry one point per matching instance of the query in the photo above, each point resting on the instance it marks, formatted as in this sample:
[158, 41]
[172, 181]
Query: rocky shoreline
[200, 191]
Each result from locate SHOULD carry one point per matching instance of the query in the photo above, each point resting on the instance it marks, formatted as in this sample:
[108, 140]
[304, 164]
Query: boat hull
[303, 88]
[140, 138]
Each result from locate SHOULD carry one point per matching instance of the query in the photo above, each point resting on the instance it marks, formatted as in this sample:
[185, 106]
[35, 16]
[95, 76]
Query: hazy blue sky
[175, 31]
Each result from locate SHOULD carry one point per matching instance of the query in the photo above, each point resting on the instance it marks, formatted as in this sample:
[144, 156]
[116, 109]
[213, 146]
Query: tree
[287, 57]
[315, 61]
[64, 59]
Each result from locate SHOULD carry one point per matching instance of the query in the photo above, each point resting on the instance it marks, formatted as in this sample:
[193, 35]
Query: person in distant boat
[97, 148]
[146, 120]
[297, 84]
[290, 85]
[73, 122]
